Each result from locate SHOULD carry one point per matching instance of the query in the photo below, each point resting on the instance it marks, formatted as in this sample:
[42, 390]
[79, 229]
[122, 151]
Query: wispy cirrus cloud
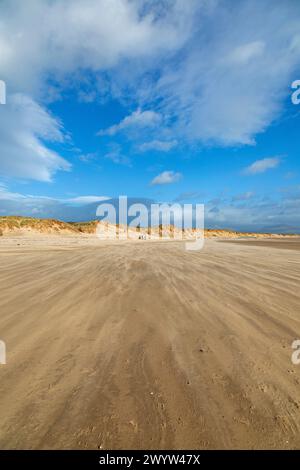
[6, 195]
[88, 157]
[83, 200]
[243, 196]
[231, 83]
[245, 53]
[116, 155]
[190, 195]
[158, 145]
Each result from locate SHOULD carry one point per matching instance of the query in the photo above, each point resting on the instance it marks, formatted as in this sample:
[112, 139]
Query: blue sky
[185, 100]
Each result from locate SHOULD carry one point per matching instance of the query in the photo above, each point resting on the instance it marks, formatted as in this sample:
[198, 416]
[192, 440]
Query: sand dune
[145, 345]
[12, 226]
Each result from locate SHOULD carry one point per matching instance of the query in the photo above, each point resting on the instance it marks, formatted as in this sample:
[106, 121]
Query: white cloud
[138, 119]
[166, 177]
[25, 127]
[59, 37]
[5, 194]
[231, 82]
[116, 156]
[82, 200]
[88, 157]
[243, 196]
[259, 213]
[208, 72]
[61, 40]
[243, 54]
[260, 166]
[158, 145]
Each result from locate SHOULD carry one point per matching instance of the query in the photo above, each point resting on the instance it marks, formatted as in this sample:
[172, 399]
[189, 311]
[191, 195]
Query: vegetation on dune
[19, 224]
[85, 227]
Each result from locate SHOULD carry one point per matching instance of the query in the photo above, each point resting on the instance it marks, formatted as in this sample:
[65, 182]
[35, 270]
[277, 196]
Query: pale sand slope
[144, 345]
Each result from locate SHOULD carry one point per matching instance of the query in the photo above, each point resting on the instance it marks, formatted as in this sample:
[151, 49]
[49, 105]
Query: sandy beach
[143, 345]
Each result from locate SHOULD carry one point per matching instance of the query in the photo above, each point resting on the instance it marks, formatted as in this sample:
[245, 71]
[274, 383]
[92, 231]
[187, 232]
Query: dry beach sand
[121, 345]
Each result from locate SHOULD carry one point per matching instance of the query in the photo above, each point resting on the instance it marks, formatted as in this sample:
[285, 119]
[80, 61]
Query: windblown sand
[145, 345]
